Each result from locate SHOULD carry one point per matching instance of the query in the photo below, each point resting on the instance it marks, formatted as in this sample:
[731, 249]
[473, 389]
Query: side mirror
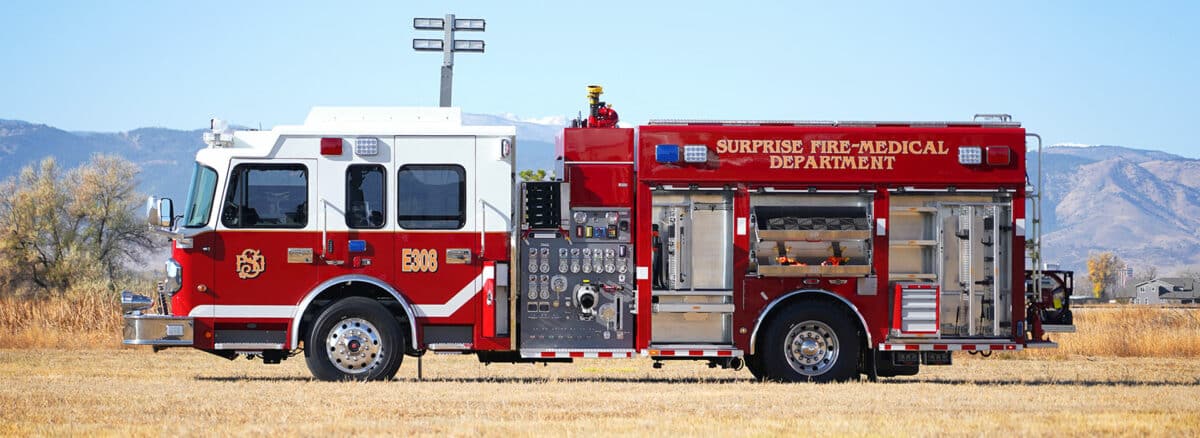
[160, 213]
[166, 213]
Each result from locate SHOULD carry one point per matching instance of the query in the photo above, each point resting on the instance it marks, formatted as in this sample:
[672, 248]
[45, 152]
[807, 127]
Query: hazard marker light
[998, 155]
[331, 146]
[666, 153]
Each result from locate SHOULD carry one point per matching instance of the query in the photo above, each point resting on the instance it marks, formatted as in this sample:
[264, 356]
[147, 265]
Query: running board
[697, 351]
[448, 346]
[247, 346]
[583, 353]
[1058, 328]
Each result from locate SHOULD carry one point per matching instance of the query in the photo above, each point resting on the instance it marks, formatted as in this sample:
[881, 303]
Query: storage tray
[813, 235]
[813, 271]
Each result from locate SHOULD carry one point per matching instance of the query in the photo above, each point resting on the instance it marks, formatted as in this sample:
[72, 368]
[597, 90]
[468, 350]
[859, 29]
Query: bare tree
[57, 230]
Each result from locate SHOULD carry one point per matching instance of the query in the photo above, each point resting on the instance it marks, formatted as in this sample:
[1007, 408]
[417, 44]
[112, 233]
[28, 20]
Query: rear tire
[754, 364]
[355, 338]
[811, 342]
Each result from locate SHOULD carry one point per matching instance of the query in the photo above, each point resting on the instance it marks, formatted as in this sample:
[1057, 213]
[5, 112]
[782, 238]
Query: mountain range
[1144, 205]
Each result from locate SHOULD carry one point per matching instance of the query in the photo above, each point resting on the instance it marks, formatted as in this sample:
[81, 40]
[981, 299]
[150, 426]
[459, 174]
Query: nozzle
[594, 92]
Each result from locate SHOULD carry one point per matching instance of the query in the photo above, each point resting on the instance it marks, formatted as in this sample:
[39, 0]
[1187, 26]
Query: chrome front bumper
[156, 330]
[160, 330]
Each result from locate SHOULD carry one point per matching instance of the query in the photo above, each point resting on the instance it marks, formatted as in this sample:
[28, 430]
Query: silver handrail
[1037, 218]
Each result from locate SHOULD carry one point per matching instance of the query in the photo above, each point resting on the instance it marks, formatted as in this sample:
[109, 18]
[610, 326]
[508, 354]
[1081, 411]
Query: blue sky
[1076, 72]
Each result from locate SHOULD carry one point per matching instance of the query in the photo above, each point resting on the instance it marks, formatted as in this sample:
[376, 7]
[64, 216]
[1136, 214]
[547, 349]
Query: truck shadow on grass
[1043, 382]
[720, 381]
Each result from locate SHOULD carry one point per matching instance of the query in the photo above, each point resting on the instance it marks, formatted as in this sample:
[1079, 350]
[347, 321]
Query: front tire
[811, 342]
[355, 338]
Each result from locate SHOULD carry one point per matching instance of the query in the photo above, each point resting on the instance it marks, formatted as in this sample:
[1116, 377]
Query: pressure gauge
[580, 217]
[612, 217]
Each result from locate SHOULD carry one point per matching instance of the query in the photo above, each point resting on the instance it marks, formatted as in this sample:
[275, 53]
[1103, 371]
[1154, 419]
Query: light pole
[448, 45]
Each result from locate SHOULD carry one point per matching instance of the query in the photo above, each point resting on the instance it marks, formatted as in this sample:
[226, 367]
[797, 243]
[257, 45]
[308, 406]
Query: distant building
[1167, 291]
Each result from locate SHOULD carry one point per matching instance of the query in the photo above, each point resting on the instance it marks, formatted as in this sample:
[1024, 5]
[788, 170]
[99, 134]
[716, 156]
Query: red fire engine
[805, 251]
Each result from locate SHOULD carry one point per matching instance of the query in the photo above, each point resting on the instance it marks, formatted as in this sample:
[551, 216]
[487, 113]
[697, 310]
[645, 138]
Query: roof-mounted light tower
[448, 45]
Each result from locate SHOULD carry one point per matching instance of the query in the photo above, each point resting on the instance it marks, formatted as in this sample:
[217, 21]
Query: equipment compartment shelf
[913, 243]
[813, 271]
[912, 276]
[813, 235]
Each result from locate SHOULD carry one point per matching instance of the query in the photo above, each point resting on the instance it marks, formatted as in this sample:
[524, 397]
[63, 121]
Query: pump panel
[577, 289]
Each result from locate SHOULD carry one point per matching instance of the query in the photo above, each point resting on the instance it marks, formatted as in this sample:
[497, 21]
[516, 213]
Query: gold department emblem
[250, 263]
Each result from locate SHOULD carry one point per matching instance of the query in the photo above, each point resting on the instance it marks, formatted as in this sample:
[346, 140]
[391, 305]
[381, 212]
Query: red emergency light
[999, 156]
[331, 146]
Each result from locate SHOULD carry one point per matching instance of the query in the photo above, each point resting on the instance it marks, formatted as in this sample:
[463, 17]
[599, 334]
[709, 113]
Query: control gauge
[608, 313]
[580, 217]
[558, 283]
[612, 217]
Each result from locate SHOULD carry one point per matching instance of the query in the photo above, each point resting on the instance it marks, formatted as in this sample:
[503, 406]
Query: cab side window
[266, 196]
[365, 205]
[432, 196]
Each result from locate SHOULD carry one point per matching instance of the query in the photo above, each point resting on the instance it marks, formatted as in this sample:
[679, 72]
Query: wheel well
[348, 289]
[776, 308]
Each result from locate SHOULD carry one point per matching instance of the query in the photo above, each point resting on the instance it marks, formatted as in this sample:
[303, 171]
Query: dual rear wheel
[807, 342]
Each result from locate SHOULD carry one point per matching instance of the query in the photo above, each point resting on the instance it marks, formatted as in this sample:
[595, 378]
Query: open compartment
[805, 235]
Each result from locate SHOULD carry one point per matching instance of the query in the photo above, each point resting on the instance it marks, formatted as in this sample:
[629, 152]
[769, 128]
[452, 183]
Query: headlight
[174, 277]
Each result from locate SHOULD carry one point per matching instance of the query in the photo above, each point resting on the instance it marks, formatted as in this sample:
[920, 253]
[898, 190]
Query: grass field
[1128, 371]
[134, 392]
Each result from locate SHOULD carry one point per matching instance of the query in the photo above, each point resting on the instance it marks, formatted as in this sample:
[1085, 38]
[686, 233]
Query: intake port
[585, 295]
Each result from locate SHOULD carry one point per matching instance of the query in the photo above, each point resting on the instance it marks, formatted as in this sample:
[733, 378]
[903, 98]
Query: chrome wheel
[354, 346]
[811, 348]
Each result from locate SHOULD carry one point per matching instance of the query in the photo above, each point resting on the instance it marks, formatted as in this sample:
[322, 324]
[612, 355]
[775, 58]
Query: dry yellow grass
[1087, 387]
[93, 320]
[86, 320]
[184, 392]
[1129, 331]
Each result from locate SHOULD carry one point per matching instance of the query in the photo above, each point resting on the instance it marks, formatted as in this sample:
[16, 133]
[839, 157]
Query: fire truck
[800, 250]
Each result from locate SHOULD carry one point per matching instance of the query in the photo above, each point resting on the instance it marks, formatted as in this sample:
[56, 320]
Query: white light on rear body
[695, 153]
[970, 155]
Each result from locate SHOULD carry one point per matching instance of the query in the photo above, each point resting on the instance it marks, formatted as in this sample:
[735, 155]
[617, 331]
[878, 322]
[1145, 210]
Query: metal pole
[447, 60]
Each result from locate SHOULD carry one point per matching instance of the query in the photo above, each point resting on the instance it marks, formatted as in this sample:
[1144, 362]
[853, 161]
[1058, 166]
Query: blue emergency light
[666, 153]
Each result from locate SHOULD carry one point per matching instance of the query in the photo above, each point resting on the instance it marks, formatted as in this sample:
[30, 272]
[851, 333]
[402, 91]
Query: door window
[432, 196]
[365, 205]
[267, 196]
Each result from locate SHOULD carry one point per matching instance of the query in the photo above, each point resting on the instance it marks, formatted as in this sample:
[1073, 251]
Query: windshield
[200, 196]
